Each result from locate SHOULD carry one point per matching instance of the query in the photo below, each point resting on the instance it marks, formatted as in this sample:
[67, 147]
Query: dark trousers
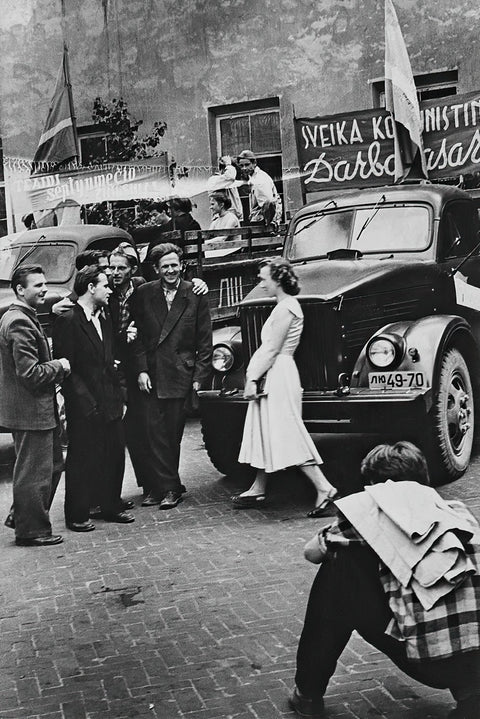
[136, 432]
[347, 595]
[37, 471]
[165, 420]
[94, 467]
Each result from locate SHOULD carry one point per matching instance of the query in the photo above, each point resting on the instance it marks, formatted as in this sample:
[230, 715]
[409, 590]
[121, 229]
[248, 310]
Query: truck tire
[222, 435]
[452, 418]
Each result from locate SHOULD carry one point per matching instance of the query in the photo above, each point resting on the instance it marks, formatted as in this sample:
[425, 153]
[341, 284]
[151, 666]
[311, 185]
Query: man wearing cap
[265, 202]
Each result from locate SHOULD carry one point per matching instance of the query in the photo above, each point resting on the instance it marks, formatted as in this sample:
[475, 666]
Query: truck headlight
[385, 350]
[222, 359]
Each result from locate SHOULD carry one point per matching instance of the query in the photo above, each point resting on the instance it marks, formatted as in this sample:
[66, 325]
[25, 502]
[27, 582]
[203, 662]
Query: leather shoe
[10, 521]
[305, 707]
[39, 541]
[326, 508]
[127, 504]
[95, 513]
[170, 500]
[150, 500]
[119, 517]
[248, 501]
[81, 526]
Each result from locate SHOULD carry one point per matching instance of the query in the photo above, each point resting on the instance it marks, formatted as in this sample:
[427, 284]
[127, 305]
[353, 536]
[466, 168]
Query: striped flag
[401, 100]
[58, 141]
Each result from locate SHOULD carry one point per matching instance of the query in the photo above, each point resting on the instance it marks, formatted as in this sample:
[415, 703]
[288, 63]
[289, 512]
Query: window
[58, 261]
[430, 85]
[369, 230]
[93, 144]
[457, 233]
[251, 126]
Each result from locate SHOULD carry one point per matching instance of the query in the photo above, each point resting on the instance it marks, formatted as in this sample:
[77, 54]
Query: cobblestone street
[193, 613]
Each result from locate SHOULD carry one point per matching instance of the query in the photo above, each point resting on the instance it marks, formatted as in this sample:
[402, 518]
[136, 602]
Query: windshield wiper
[29, 252]
[454, 270]
[318, 215]
[370, 217]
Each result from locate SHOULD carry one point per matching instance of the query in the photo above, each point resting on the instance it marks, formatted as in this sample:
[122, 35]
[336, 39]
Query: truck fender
[425, 341]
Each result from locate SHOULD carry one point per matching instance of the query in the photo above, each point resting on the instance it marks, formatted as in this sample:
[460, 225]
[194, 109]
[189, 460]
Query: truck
[55, 249]
[390, 291]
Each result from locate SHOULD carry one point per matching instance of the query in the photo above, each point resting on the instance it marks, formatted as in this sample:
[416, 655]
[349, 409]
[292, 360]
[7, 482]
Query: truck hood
[327, 279]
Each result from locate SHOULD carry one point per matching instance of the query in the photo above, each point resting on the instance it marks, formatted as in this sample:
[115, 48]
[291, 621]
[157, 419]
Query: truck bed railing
[228, 266]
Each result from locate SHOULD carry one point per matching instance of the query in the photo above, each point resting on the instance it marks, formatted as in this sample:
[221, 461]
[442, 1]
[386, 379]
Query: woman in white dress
[274, 436]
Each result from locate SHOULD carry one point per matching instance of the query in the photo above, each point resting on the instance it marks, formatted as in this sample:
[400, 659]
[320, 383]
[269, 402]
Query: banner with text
[355, 149]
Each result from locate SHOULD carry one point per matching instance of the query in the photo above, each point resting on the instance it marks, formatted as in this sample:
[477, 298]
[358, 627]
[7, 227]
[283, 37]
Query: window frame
[434, 81]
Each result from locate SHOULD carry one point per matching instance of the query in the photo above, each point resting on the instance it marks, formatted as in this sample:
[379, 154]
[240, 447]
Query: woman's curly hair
[282, 272]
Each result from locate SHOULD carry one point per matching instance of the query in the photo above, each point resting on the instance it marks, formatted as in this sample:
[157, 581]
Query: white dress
[274, 436]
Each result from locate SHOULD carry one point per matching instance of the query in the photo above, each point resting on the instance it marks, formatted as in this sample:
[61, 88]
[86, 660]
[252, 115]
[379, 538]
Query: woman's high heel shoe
[325, 506]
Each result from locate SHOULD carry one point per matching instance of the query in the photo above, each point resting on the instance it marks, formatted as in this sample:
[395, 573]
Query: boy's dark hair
[402, 461]
[160, 206]
[86, 276]
[19, 276]
[181, 204]
[164, 249]
[222, 197]
[87, 258]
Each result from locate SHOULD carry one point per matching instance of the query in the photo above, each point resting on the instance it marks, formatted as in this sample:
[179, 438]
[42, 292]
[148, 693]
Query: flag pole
[66, 66]
[402, 102]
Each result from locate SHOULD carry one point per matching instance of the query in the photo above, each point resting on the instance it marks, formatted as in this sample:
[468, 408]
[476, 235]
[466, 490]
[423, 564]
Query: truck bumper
[360, 411]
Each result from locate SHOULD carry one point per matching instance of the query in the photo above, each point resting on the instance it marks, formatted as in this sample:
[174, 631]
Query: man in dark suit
[28, 408]
[173, 358]
[93, 404]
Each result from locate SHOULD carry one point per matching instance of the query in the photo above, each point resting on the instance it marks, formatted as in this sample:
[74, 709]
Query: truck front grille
[318, 356]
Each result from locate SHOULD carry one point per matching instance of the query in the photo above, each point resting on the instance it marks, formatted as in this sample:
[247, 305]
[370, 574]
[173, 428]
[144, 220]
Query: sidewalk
[193, 613]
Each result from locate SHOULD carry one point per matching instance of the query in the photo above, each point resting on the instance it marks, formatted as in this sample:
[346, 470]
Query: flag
[58, 141]
[401, 100]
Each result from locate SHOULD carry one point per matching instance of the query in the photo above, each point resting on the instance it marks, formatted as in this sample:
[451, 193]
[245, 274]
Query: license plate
[396, 380]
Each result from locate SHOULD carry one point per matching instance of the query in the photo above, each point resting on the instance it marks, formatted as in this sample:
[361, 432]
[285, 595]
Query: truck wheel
[452, 418]
[222, 435]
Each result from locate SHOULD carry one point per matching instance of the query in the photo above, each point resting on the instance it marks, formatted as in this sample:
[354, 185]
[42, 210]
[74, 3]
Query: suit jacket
[27, 372]
[174, 347]
[93, 388]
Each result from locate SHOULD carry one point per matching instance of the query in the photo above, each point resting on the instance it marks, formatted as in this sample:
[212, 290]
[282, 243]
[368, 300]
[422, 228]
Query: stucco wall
[172, 59]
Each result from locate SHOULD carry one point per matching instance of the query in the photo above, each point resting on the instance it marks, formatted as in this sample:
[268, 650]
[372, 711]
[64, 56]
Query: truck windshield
[57, 260]
[385, 229]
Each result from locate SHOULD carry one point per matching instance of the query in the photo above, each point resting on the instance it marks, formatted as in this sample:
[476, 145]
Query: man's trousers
[165, 421]
[347, 595]
[37, 471]
[94, 468]
[136, 432]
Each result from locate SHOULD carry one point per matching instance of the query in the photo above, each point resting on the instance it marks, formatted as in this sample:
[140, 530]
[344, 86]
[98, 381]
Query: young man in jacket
[94, 405]
[173, 358]
[28, 375]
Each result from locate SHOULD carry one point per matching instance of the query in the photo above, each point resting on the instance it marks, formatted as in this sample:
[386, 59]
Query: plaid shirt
[450, 627]
[124, 309]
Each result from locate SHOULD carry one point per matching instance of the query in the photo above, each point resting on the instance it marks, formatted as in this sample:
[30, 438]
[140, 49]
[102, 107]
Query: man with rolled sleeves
[28, 375]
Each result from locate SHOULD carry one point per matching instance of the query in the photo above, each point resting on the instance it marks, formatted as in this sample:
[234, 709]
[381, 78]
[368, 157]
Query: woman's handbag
[261, 386]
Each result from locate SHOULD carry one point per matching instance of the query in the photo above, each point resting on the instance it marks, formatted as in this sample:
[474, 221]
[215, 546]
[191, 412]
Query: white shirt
[170, 293]
[93, 317]
[262, 188]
